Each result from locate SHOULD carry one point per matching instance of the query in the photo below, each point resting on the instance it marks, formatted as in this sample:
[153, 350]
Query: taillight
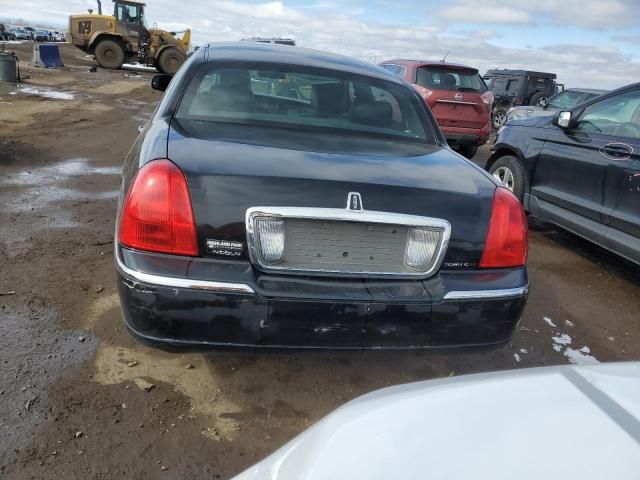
[507, 242]
[424, 92]
[156, 215]
[487, 97]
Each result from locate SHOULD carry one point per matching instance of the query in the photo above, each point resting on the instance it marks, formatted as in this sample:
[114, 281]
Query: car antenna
[445, 56]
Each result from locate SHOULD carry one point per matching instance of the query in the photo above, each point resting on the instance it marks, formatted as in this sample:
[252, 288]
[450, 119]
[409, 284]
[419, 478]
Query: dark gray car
[579, 169]
[562, 101]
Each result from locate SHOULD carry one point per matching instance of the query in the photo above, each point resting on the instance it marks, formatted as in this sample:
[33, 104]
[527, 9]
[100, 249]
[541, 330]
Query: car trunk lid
[228, 173]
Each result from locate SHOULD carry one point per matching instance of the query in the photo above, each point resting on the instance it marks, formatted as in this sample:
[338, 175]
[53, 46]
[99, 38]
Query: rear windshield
[442, 78]
[305, 99]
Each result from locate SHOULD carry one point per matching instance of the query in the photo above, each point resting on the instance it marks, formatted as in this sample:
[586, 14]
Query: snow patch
[138, 66]
[568, 323]
[516, 357]
[549, 321]
[563, 339]
[524, 350]
[47, 93]
[581, 356]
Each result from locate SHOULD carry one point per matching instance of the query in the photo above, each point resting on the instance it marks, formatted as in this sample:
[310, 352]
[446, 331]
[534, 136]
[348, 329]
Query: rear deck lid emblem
[458, 96]
[354, 202]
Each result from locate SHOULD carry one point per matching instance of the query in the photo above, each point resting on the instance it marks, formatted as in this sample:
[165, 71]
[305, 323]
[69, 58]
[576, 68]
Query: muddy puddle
[43, 195]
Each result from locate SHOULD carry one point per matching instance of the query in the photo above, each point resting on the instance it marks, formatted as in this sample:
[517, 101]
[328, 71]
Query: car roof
[275, 53]
[428, 63]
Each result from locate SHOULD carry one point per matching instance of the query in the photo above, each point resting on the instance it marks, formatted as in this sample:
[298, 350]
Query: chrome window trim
[174, 282]
[338, 214]
[486, 294]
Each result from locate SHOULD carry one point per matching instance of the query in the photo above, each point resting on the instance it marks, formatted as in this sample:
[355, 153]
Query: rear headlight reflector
[270, 238]
[156, 215]
[421, 247]
[507, 242]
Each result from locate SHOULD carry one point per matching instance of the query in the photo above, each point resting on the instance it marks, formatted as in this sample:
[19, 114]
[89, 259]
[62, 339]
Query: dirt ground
[73, 385]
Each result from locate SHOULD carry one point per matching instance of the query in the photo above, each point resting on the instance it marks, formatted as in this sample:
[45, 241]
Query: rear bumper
[467, 136]
[204, 304]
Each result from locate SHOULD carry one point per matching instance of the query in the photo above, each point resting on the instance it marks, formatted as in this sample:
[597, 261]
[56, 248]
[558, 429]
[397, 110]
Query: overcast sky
[589, 43]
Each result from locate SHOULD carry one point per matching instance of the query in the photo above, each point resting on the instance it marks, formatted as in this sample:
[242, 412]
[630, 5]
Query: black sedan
[286, 197]
[579, 169]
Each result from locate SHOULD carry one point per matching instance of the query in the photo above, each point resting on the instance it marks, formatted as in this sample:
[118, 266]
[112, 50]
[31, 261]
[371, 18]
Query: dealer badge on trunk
[225, 248]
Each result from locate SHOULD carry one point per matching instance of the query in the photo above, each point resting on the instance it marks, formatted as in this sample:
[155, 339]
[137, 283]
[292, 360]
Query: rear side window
[398, 70]
[308, 99]
[442, 78]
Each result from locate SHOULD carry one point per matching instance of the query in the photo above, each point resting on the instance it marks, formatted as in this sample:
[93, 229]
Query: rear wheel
[171, 60]
[499, 117]
[109, 54]
[510, 171]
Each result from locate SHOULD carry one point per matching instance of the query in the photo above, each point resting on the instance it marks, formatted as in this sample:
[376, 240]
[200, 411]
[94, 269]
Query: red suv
[457, 96]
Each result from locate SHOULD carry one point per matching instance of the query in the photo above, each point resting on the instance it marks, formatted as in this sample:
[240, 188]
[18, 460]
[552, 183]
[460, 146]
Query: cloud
[470, 11]
[599, 14]
[334, 30]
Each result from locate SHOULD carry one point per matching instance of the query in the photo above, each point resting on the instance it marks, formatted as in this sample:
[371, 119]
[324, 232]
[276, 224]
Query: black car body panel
[585, 181]
[284, 311]
[212, 300]
[388, 181]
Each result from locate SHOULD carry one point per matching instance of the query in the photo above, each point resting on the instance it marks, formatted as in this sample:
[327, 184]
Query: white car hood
[572, 422]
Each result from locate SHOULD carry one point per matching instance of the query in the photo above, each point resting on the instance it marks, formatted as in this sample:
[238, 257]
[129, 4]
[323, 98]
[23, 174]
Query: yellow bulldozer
[125, 37]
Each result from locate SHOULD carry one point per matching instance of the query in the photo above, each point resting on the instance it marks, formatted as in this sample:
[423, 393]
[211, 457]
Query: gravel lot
[73, 385]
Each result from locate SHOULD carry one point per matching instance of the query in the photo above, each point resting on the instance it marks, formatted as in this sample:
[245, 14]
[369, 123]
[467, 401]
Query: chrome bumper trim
[173, 282]
[487, 294]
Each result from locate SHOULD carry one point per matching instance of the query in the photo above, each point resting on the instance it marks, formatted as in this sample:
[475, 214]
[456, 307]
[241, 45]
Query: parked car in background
[457, 96]
[329, 215]
[41, 36]
[564, 100]
[513, 88]
[58, 37]
[579, 169]
[407, 431]
[21, 34]
[6, 33]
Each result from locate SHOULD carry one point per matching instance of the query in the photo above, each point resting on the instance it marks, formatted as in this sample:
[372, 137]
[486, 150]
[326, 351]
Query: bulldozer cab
[130, 19]
[130, 12]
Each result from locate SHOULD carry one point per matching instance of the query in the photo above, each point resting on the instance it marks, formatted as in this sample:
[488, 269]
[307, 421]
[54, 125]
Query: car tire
[510, 171]
[171, 60]
[499, 118]
[109, 54]
[468, 151]
[539, 100]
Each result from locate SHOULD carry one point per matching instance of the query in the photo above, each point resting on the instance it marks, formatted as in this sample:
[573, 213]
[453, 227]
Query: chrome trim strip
[338, 214]
[456, 101]
[174, 282]
[482, 294]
